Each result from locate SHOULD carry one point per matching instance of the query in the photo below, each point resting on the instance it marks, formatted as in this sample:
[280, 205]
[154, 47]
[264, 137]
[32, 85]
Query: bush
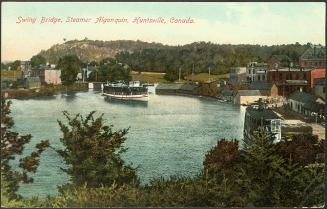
[92, 152]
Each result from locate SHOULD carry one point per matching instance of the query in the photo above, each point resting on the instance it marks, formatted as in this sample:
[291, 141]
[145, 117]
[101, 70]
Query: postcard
[163, 104]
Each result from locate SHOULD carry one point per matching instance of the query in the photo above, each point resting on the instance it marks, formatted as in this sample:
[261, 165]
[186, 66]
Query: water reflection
[69, 96]
[131, 103]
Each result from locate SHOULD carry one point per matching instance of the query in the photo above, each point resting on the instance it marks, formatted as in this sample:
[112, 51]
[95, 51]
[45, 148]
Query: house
[246, 97]
[264, 118]
[237, 75]
[51, 76]
[33, 83]
[265, 88]
[278, 61]
[319, 88]
[256, 71]
[306, 104]
[26, 68]
[314, 56]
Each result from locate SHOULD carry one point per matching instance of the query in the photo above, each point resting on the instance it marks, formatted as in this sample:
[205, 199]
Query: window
[323, 90]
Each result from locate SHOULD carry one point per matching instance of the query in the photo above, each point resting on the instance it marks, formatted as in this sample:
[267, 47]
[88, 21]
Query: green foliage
[92, 152]
[38, 60]
[171, 75]
[260, 173]
[70, 67]
[11, 145]
[204, 55]
[111, 70]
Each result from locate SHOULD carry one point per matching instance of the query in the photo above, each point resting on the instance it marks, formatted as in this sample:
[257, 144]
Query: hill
[94, 50]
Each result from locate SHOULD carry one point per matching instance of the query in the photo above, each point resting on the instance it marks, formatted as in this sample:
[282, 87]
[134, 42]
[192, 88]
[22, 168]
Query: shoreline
[43, 91]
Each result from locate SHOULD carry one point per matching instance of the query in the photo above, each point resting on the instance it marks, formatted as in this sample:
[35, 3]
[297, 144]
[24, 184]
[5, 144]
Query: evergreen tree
[264, 169]
[12, 144]
[93, 151]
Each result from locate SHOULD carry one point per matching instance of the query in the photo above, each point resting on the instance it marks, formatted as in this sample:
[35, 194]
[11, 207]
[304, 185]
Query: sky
[223, 23]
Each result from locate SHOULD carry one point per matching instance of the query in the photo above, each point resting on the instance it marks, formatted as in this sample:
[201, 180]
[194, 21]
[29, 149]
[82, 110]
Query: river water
[169, 135]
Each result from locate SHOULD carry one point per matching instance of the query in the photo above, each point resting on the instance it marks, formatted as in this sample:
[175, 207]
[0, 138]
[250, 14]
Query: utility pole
[192, 72]
[209, 73]
[179, 74]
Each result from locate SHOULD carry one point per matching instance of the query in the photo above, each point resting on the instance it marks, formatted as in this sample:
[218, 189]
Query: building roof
[177, 86]
[189, 86]
[292, 69]
[265, 114]
[260, 85]
[303, 97]
[314, 52]
[249, 93]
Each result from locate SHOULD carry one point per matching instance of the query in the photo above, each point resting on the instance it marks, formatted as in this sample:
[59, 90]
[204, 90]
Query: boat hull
[141, 97]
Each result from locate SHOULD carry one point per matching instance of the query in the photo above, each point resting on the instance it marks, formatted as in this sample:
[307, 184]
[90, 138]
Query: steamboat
[134, 90]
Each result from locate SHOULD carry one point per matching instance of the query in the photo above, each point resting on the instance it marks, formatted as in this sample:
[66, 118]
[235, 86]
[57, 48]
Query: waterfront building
[176, 88]
[246, 97]
[51, 76]
[313, 57]
[256, 117]
[265, 88]
[306, 104]
[32, 83]
[237, 75]
[256, 71]
[319, 87]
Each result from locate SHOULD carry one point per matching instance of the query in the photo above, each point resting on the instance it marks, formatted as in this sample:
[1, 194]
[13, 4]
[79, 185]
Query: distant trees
[219, 57]
[12, 144]
[111, 70]
[92, 150]
[38, 60]
[70, 67]
[11, 65]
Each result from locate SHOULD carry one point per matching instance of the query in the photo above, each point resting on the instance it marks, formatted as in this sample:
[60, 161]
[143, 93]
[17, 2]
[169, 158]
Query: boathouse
[261, 117]
[176, 88]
